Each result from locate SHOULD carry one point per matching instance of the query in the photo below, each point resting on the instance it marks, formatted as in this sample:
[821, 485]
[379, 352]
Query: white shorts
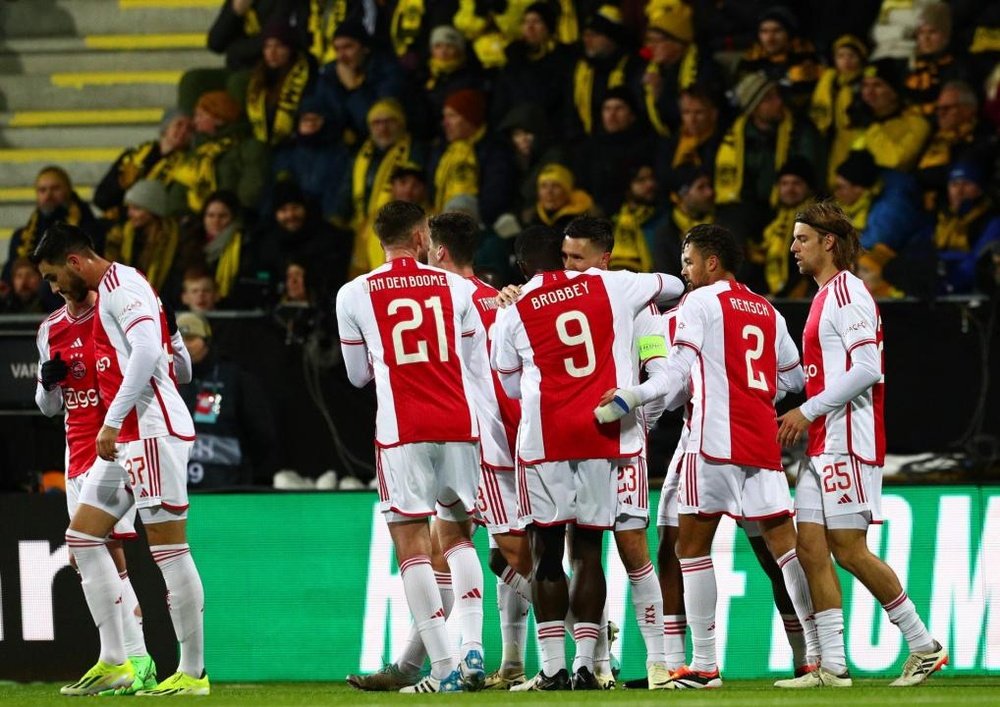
[839, 491]
[427, 478]
[496, 502]
[633, 495]
[149, 473]
[743, 492]
[125, 527]
[581, 491]
[666, 512]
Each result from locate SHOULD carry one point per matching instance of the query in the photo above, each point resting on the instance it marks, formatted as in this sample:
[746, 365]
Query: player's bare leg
[672, 590]
[588, 593]
[647, 601]
[694, 546]
[510, 561]
[850, 549]
[455, 541]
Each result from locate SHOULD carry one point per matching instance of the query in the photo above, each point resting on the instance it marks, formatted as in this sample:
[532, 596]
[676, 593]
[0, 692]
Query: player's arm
[504, 358]
[352, 342]
[791, 378]
[141, 326]
[643, 288]
[48, 392]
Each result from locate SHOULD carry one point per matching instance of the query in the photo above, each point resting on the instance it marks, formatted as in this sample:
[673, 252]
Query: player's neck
[400, 252]
[826, 274]
[94, 272]
[75, 309]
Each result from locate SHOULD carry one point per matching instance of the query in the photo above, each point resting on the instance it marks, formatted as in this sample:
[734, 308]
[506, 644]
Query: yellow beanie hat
[558, 174]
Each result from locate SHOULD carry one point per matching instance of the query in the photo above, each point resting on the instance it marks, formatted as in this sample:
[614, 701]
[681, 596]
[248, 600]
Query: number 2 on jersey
[583, 338]
[415, 320]
[755, 379]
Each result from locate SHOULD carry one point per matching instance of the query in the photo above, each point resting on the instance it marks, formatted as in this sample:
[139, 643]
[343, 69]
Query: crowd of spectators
[262, 183]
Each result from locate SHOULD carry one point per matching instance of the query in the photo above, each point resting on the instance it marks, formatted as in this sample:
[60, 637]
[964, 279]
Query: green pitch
[939, 691]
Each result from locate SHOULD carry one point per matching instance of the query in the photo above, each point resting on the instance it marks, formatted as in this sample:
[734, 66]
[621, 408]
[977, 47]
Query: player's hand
[107, 438]
[54, 372]
[508, 295]
[615, 404]
[791, 426]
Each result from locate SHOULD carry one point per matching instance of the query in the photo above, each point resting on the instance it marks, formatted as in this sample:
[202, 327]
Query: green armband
[651, 347]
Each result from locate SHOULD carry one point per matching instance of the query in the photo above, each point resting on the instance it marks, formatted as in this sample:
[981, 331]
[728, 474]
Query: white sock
[648, 604]
[902, 613]
[602, 649]
[467, 579]
[424, 600]
[411, 660]
[513, 610]
[674, 631]
[552, 646]
[135, 643]
[585, 634]
[517, 582]
[700, 596]
[447, 590]
[102, 589]
[186, 601]
[830, 627]
[804, 642]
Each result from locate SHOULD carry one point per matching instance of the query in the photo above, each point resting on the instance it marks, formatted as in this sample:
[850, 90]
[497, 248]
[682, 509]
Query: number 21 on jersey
[411, 317]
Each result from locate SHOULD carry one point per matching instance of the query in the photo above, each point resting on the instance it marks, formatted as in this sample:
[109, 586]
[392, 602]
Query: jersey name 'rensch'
[127, 308]
[741, 342]
[71, 338]
[843, 316]
[412, 319]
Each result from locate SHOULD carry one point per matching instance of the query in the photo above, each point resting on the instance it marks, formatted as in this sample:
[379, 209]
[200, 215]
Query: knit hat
[279, 29]
[287, 191]
[408, 169]
[221, 106]
[800, 167]
[169, 116]
[888, 70]
[557, 173]
[674, 21]
[683, 176]
[148, 194]
[608, 21]
[545, 11]
[446, 34]
[470, 103]
[352, 29]
[849, 40]
[193, 324]
[620, 93]
[750, 91]
[384, 109]
[529, 117]
[968, 171]
[782, 15]
[463, 203]
[859, 168]
[938, 16]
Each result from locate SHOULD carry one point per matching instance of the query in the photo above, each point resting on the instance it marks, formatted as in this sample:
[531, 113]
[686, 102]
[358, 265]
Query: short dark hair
[711, 239]
[600, 231]
[59, 240]
[396, 220]
[539, 249]
[827, 217]
[458, 232]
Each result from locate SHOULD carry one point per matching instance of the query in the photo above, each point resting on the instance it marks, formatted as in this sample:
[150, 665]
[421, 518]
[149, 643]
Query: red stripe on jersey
[812, 361]
[416, 325]
[484, 299]
[572, 340]
[140, 319]
[166, 415]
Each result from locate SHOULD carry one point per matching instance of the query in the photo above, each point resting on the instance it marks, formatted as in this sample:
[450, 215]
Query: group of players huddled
[526, 411]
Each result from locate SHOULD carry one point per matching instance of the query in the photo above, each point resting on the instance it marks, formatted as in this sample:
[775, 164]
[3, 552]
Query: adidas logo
[844, 499]
[78, 344]
[438, 614]
[474, 594]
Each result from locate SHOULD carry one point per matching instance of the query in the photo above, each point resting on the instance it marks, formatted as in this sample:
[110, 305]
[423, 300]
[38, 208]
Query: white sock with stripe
[801, 628]
[552, 646]
[830, 627]
[411, 660]
[903, 613]
[674, 633]
[648, 604]
[513, 624]
[517, 582]
[467, 579]
[585, 636]
[424, 600]
[602, 649]
[700, 596]
[186, 601]
[135, 643]
[102, 589]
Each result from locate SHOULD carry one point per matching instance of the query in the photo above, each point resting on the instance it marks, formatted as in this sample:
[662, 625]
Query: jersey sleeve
[856, 325]
[691, 319]
[50, 402]
[504, 358]
[790, 375]
[352, 341]
[183, 370]
[639, 289]
[132, 309]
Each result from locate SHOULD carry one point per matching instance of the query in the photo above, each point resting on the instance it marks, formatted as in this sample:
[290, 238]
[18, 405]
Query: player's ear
[605, 260]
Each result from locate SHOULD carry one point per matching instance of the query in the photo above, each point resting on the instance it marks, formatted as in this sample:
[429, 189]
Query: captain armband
[652, 347]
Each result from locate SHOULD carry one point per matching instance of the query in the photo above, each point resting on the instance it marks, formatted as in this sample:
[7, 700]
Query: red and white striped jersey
[72, 339]
[571, 335]
[843, 316]
[741, 343]
[412, 319]
[129, 313]
[498, 413]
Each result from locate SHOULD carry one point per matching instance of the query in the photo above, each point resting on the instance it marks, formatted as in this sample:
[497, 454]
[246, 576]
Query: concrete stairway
[80, 80]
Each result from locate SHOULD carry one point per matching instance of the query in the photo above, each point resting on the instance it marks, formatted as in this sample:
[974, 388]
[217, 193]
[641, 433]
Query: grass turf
[938, 691]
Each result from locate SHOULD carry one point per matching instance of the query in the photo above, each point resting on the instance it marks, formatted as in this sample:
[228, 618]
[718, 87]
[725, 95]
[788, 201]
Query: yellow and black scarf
[683, 221]
[952, 231]
[687, 76]
[458, 171]
[159, 248]
[773, 251]
[583, 88]
[293, 85]
[197, 170]
[323, 22]
[631, 252]
[30, 234]
[367, 201]
[729, 160]
[404, 28]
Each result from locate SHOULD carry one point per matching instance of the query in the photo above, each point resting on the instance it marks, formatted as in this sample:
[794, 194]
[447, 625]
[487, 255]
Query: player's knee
[850, 555]
[548, 553]
[633, 549]
[497, 562]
